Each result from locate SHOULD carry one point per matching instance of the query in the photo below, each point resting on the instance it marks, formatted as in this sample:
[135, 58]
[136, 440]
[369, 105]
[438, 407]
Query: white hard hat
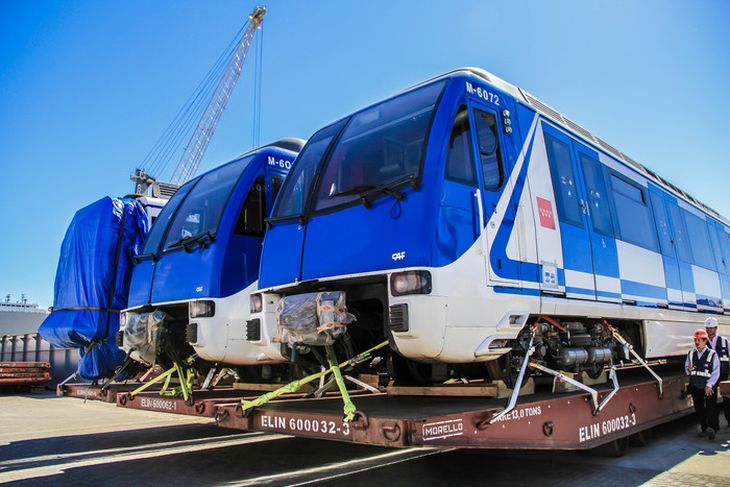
[711, 322]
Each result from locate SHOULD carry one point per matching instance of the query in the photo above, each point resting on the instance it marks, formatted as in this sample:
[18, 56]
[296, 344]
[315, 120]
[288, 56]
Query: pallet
[24, 373]
[446, 390]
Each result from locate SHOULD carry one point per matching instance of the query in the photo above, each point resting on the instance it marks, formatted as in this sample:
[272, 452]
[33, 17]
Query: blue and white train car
[457, 212]
[200, 262]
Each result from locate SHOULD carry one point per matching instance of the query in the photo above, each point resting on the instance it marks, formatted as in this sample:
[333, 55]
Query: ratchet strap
[186, 376]
[334, 368]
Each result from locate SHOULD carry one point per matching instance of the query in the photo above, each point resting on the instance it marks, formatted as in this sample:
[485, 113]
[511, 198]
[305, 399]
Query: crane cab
[200, 262]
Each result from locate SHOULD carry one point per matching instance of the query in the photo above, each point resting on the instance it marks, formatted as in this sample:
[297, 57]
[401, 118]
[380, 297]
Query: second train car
[200, 263]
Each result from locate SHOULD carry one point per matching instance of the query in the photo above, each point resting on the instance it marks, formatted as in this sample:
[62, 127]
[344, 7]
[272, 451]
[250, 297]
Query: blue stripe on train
[713, 302]
[641, 289]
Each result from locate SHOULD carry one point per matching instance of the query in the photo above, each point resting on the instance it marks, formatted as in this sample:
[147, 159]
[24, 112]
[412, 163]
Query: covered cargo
[92, 282]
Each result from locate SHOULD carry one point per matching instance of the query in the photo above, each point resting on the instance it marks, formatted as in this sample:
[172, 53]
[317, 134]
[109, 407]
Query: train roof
[293, 144]
[578, 130]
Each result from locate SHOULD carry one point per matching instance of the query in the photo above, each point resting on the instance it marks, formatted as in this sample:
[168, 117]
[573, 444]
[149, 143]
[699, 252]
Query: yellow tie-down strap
[334, 368]
[185, 376]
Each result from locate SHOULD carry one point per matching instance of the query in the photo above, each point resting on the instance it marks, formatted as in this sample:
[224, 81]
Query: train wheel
[509, 366]
[642, 438]
[616, 448]
[594, 371]
[407, 372]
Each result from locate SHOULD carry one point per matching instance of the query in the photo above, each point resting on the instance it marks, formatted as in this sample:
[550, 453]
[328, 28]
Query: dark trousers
[705, 408]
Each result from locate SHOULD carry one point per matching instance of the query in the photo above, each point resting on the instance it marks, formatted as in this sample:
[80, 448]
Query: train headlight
[410, 282]
[257, 303]
[202, 309]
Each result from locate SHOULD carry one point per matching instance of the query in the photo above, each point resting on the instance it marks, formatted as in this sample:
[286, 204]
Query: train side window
[662, 224]
[597, 195]
[566, 192]
[716, 234]
[488, 140]
[725, 245]
[460, 158]
[680, 233]
[635, 222]
[699, 240]
[251, 219]
[276, 182]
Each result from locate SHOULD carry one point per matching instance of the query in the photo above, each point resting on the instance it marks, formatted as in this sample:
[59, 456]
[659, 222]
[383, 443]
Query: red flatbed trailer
[97, 392]
[563, 421]
[201, 403]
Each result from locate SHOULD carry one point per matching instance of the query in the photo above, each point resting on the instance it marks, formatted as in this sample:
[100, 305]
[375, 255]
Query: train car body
[200, 261]
[462, 209]
[152, 206]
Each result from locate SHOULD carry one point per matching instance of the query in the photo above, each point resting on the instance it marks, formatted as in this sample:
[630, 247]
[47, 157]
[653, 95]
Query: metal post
[209, 378]
[614, 378]
[38, 342]
[638, 358]
[518, 384]
[25, 339]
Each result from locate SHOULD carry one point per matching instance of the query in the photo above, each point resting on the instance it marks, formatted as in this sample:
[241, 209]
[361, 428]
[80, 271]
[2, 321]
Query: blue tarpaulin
[92, 282]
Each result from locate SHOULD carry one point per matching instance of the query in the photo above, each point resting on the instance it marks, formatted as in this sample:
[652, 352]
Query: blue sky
[86, 87]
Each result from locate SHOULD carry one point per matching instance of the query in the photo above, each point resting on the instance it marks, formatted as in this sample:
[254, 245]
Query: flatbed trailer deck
[98, 392]
[544, 420]
[201, 403]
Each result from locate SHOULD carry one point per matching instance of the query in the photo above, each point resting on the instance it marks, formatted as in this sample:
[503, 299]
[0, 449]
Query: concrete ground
[45, 440]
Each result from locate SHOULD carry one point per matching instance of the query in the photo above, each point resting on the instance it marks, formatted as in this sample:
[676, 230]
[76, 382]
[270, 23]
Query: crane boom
[200, 139]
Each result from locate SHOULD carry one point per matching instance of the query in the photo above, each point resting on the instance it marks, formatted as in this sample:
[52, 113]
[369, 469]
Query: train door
[496, 192]
[244, 253]
[684, 254]
[721, 249]
[668, 247]
[570, 199]
[593, 188]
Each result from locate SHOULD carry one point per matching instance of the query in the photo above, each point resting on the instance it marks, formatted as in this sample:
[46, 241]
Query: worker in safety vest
[721, 346]
[703, 368]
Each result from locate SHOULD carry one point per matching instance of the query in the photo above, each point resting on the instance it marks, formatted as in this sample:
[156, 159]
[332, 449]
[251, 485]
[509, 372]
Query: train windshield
[203, 207]
[152, 243]
[379, 146]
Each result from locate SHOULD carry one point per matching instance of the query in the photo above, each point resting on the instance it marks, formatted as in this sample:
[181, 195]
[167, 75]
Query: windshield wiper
[359, 189]
[140, 257]
[187, 242]
[387, 189]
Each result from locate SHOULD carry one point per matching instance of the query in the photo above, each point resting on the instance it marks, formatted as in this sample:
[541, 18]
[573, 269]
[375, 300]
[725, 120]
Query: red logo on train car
[545, 208]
